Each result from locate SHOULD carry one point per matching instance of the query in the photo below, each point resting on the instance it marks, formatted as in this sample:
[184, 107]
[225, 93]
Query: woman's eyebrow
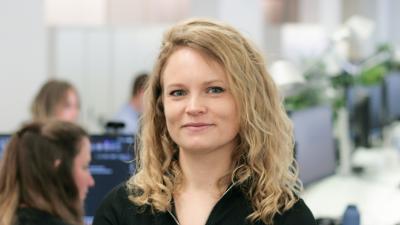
[174, 85]
[214, 81]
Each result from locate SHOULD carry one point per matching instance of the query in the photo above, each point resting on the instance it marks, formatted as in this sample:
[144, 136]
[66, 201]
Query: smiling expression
[200, 111]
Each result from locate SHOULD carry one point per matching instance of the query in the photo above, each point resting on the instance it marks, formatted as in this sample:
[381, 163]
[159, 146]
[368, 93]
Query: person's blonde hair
[51, 95]
[264, 164]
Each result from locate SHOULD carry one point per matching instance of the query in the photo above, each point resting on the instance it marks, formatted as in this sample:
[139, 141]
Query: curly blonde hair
[263, 162]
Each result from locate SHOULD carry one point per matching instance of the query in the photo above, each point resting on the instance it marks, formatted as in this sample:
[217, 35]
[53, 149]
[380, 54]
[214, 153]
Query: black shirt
[31, 216]
[231, 209]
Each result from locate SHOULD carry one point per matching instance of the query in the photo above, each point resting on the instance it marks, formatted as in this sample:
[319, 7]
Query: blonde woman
[56, 99]
[216, 145]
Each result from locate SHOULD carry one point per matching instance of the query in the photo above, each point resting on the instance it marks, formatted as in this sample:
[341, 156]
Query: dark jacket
[31, 216]
[231, 209]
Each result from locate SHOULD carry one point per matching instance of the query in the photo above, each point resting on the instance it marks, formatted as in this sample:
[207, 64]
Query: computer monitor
[360, 123]
[376, 117]
[112, 163]
[4, 138]
[376, 108]
[392, 86]
[315, 148]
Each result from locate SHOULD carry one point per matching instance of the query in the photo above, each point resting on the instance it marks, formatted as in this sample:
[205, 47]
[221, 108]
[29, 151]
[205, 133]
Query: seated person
[129, 114]
[44, 175]
[57, 99]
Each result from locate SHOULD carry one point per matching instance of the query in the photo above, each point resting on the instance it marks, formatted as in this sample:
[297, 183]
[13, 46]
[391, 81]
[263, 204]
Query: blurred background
[336, 62]
[99, 45]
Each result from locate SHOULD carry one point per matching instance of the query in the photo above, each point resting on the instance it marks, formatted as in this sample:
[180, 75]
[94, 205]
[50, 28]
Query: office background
[99, 45]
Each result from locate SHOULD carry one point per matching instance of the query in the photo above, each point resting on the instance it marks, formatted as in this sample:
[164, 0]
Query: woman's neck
[203, 172]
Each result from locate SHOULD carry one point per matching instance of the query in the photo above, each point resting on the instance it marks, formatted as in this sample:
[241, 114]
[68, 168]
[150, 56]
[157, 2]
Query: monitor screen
[112, 163]
[3, 141]
[376, 113]
[376, 103]
[392, 82]
[315, 145]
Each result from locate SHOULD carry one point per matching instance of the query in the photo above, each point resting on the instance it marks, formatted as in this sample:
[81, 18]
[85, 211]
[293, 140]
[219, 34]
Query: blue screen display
[112, 163]
[4, 138]
[315, 146]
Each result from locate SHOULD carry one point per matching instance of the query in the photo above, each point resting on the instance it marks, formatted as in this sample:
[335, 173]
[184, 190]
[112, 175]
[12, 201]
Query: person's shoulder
[117, 198]
[117, 208]
[126, 112]
[298, 214]
[129, 117]
[32, 216]
[118, 192]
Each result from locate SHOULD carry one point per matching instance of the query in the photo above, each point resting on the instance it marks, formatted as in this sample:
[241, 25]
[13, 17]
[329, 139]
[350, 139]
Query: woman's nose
[196, 105]
[91, 181]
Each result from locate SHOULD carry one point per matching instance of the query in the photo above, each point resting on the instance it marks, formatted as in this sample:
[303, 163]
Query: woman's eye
[215, 90]
[177, 93]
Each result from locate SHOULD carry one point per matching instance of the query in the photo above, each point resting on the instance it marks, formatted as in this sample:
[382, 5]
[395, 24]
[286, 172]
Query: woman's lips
[197, 126]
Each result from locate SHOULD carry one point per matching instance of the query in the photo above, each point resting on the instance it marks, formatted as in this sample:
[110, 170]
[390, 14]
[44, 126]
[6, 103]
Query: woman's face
[83, 178]
[200, 111]
[69, 109]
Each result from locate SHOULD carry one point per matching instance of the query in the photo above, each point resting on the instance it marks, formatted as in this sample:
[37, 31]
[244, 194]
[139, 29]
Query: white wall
[327, 13]
[204, 8]
[308, 11]
[248, 16]
[22, 59]
[245, 15]
[75, 12]
[114, 12]
[389, 21]
[330, 14]
[82, 56]
[125, 12]
[101, 62]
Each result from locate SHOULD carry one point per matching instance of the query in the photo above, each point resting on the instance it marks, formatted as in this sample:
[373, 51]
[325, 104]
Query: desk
[376, 192]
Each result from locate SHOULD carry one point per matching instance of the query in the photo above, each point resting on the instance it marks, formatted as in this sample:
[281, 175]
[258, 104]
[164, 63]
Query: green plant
[306, 98]
[372, 75]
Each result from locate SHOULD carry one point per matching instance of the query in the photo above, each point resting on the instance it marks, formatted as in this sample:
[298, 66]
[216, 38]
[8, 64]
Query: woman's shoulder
[117, 208]
[32, 216]
[116, 201]
[298, 214]
[119, 194]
